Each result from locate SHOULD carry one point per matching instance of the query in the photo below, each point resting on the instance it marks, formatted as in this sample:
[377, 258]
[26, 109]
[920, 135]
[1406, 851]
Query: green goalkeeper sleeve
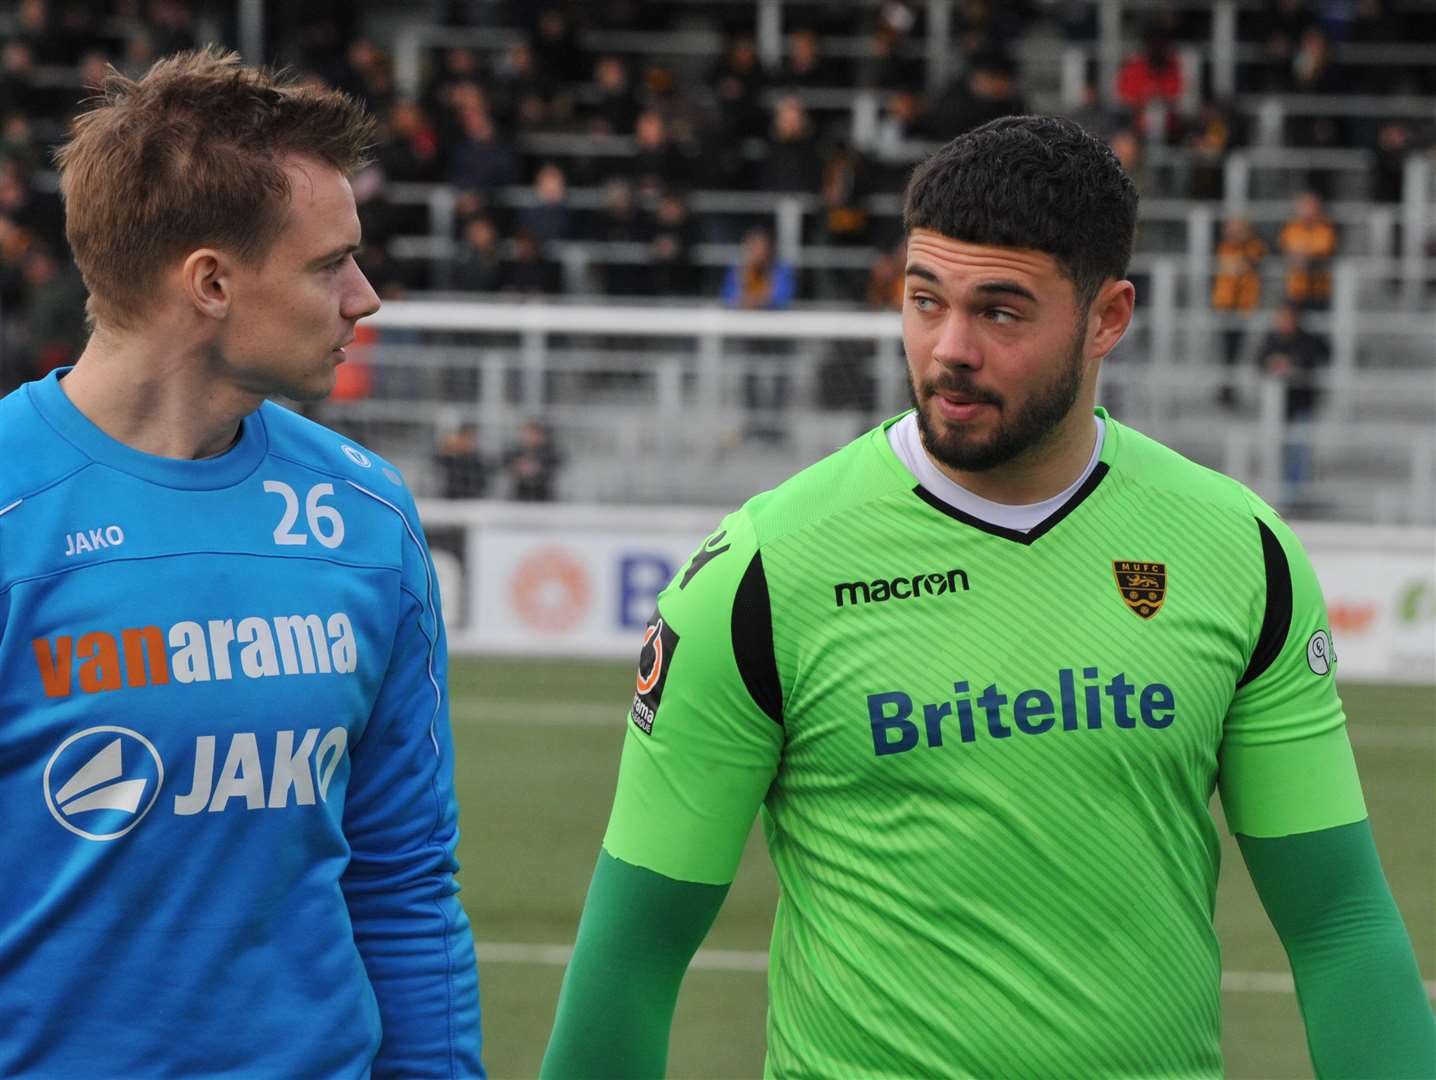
[1366, 1009]
[638, 932]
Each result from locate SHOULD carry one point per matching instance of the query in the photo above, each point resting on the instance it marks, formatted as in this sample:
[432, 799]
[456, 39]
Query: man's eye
[924, 303]
[1002, 316]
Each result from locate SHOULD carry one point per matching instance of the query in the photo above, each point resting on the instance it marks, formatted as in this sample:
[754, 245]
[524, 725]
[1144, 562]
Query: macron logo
[96, 780]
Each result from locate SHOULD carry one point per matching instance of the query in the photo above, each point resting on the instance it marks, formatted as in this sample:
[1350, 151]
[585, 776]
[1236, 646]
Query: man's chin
[317, 389]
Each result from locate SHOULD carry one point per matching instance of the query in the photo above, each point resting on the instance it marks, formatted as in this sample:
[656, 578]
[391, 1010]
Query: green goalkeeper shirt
[984, 758]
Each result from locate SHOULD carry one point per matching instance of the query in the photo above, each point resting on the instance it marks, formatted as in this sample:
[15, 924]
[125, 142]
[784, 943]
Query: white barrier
[574, 580]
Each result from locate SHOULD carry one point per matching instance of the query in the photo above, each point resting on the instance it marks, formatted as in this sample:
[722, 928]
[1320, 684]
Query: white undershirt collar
[906, 441]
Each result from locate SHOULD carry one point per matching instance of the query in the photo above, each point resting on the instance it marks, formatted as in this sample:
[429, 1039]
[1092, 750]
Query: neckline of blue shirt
[224, 470]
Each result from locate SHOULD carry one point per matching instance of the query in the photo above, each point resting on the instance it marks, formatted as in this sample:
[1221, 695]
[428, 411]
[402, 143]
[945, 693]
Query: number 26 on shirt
[325, 523]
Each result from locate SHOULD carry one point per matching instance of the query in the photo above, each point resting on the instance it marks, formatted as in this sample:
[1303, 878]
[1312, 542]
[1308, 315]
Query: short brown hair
[191, 155]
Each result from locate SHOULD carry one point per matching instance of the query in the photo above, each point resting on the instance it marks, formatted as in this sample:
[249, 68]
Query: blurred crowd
[544, 108]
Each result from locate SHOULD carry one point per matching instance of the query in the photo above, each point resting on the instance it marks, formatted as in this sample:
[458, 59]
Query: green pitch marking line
[517, 713]
[752, 960]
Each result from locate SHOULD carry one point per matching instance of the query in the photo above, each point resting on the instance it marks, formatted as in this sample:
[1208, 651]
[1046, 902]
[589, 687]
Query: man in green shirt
[981, 671]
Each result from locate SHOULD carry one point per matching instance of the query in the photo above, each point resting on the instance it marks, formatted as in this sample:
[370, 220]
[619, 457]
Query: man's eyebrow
[337, 253]
[988, 288]
[1008, 288]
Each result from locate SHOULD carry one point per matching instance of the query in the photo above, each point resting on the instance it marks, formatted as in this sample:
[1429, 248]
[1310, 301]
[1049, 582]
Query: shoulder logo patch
[711, 549]
[357, 456]
[660, 642]
[1142, 585]
[1319, 653]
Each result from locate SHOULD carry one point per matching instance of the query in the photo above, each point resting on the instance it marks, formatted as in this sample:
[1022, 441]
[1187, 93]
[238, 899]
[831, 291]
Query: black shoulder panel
[1277, 621]
[753, 641]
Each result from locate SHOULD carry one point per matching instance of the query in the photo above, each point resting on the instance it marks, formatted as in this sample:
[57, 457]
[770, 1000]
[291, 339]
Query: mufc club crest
[1143, 585]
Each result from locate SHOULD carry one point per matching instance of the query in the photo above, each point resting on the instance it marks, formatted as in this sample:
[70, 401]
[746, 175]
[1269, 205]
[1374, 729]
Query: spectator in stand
[793, 162]
[465, 472]
[556, 47]
[847, 181]
[532, 272]
[846, 184]
[889, 68]
[671, 248]
[738, 83]
[657, 160]
[139, 54]
[985, 91]
[1210, 139]
[171, 24]
[616, 110]
[532, 463]
[479, 266]
[442, 95]
[1126, 144]
[1294, 355]
[1307, 242]
[409, 145]
[804, 64]
[886, 284]
[18, 145]
[1280, 28]
[18, 89]
[53, 312]
[1236, 292]
[377, 214]
[39, 213]
[622, 223]
[526, 95]
[483, 160]
[1093, 116]
[759, 281]
[1393, 145]
[549, 219]
[902, 121]
[371, 75]
[1151, 77]
[981, 26]
[1314, 73]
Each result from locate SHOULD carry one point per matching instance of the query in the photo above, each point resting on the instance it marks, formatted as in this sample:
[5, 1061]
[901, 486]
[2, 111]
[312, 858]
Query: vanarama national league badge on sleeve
[660, 642]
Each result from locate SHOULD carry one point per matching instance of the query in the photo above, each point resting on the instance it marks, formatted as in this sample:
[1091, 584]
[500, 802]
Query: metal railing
[686, 404]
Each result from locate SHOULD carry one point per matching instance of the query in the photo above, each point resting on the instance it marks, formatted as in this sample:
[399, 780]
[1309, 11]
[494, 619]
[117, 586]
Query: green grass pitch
[537, 747]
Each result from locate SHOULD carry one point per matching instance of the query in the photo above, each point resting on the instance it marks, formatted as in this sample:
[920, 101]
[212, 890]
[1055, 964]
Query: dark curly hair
[1037, 182]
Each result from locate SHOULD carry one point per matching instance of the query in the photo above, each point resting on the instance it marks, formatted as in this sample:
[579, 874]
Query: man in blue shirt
[225, 759]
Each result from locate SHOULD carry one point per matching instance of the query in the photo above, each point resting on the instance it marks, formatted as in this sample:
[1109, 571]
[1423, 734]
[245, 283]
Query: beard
[1017, 432]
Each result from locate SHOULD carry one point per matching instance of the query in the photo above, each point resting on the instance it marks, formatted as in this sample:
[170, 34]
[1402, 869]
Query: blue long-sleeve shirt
[225, 762]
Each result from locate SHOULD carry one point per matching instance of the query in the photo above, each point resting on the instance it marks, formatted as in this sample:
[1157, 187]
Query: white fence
[703, 405]
[568, 580]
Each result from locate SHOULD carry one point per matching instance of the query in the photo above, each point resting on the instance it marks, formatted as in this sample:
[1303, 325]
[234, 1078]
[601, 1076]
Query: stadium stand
[561, 189]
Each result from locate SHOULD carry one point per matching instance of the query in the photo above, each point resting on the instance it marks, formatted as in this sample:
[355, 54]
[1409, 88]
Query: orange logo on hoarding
[550, 590]
[1352, 618]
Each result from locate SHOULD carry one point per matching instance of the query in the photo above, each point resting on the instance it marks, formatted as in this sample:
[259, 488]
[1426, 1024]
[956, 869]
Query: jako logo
[898, 588]
[100, 782]
[104, 779]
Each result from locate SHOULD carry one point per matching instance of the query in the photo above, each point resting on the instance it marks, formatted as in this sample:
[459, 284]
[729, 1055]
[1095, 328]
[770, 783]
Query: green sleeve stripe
[1283, 788]
[1356, 976]
[638, 932]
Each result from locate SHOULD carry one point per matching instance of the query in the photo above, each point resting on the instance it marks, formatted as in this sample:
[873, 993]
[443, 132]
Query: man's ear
[1110, 316]
[207, 280]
